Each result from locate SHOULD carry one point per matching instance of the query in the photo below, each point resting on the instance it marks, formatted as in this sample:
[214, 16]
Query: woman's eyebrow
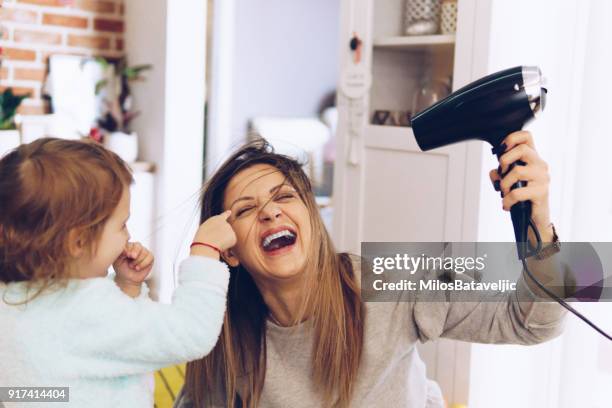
[272, 190]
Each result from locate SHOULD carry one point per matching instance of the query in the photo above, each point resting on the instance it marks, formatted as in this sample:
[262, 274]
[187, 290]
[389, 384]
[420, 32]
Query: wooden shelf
[414, 42]
[390, 137]
[399, 138]
[141, 166]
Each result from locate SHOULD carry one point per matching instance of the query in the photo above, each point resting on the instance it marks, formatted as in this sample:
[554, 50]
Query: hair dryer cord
[553, 295]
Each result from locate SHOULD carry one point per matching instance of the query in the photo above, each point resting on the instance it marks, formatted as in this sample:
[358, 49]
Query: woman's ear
[229, 257]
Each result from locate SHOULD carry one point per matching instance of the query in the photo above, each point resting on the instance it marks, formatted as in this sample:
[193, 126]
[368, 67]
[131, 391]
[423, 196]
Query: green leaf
[100, 85]
[7, 124]
[9, 102]
[134, 72]
[103, 62]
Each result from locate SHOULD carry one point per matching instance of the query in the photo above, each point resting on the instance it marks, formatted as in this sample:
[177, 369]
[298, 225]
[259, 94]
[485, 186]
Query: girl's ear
[229, 257]
[76, 246]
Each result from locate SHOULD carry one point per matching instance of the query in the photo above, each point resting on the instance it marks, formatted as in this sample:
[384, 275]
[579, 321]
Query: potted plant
[9, 135]
[115, 119]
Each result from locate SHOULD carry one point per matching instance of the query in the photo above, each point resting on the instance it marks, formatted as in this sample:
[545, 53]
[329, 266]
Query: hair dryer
[488, 109]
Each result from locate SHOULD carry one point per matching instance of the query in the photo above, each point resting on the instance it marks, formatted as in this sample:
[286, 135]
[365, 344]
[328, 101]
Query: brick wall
[34, 29]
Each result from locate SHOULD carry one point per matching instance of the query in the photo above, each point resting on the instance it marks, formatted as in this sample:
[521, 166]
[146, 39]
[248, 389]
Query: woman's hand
[519, 146]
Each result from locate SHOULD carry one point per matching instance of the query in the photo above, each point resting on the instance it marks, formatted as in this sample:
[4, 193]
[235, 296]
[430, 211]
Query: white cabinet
[386, 189]
[395, 191]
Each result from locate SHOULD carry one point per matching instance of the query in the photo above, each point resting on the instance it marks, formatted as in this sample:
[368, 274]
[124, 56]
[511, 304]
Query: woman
[297, 333]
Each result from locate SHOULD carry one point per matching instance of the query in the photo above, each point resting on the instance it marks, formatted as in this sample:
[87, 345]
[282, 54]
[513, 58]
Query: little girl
[63, 323]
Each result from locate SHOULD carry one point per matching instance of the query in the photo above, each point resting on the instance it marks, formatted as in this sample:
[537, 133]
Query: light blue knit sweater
[104, 345]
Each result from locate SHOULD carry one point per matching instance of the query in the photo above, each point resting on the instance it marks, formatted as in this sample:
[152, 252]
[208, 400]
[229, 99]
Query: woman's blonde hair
[49, 188]
[337, 320]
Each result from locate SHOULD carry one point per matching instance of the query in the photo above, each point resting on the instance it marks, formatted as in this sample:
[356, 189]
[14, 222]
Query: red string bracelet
[206, 245]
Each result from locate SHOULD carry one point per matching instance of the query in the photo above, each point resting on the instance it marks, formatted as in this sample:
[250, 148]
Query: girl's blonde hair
[332, 303]
[49, 188]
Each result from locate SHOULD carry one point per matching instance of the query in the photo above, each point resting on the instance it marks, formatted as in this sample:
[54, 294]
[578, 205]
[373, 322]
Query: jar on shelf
[431, 91]
[422, 17]
[448, 17]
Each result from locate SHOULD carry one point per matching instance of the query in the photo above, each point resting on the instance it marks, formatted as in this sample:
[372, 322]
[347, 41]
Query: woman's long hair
[331, 285]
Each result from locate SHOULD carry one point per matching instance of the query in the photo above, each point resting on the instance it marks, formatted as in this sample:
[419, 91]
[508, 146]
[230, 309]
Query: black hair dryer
[488, 109]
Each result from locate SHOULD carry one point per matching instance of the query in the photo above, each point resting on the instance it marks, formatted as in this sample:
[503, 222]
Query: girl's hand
[519, 146]
[216, 231]
[133, 265]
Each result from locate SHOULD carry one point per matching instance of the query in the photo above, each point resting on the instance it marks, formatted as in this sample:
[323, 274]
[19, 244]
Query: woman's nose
[269, 212]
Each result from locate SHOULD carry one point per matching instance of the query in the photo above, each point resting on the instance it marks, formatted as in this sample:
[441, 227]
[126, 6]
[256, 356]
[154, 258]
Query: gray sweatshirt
[391, 372]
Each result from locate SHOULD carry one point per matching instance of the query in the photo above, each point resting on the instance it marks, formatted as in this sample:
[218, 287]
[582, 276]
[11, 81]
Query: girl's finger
[144, 263]
[147, 261]
[143, 258]
[142, 253]
[136, 251]
[128, 248]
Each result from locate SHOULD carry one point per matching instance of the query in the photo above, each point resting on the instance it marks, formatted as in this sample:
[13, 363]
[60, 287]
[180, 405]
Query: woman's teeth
[284, 233]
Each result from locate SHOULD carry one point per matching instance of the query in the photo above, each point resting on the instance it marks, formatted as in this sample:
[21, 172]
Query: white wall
[549, 34]
[220, 114]
[586, 367]
[171, 35]
[592, 219]
[284, 59]
[570, 42]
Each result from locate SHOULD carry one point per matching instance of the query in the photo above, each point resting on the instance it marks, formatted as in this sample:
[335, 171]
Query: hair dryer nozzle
[534, 85]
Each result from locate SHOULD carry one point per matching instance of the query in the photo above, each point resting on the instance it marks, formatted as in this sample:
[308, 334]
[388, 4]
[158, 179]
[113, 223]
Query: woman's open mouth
[278, 241]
